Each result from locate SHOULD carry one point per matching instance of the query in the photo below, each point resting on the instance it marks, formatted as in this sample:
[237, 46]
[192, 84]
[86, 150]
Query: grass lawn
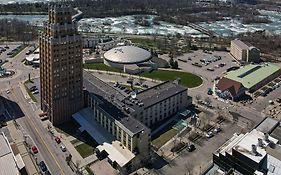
[28, 91]
[144, 41]
[100, 66]
[85, 150]
[186, 79]
[163, 138]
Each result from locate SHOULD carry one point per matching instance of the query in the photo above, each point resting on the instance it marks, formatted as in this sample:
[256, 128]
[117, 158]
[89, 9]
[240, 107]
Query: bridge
[203, 30]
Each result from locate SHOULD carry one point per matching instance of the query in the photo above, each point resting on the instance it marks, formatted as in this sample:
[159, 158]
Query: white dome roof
[127, 55]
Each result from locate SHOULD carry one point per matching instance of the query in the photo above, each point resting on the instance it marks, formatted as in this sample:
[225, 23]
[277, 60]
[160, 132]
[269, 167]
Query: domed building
[130, 59]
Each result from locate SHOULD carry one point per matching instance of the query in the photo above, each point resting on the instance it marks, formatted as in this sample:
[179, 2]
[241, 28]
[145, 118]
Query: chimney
[254, 149]
[260, 142]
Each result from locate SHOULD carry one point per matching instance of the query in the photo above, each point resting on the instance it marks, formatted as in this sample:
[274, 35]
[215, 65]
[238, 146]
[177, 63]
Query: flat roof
[252, 74]
[4, 145]
[116, 153]
[243, 144]
[156, 94]
[267, 125]
[240, 44]
[7, 159]
[111, 102]
[127, 55]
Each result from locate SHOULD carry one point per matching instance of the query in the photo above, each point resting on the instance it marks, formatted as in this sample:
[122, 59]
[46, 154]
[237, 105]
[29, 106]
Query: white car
[63, 148]
[209, 134]
[7, 91]
[35, 92]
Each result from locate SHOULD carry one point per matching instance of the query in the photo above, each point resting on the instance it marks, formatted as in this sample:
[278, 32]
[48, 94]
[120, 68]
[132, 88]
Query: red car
[57, 139]
[34, 149]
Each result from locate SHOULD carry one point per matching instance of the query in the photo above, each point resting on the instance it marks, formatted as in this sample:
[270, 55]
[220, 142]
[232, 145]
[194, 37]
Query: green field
[186, 79]
[163, 138]
[85, 150]
[100, 66]
[144, 41]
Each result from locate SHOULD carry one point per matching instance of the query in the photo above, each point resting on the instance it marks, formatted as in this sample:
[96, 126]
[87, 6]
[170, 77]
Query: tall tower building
[60, 65]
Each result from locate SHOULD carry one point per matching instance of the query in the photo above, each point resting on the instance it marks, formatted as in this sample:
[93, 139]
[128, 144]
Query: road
[27, 118]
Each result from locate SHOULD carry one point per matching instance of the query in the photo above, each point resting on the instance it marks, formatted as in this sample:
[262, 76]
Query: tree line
[16, 30]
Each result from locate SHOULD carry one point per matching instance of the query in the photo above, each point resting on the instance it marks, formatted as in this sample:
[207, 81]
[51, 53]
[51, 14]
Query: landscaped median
[29, 92]
[185, 78]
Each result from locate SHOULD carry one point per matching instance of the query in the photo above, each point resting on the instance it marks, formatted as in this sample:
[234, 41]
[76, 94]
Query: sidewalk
[17, 137]
[76, 157]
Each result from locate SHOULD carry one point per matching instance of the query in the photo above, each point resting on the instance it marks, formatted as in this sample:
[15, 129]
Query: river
[126, 24]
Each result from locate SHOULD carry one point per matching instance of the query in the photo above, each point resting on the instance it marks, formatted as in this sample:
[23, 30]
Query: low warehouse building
[251, 76]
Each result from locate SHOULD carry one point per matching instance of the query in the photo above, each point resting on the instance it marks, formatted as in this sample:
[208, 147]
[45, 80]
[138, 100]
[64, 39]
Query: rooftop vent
[260, 142]
[254, 149]
[266, 137]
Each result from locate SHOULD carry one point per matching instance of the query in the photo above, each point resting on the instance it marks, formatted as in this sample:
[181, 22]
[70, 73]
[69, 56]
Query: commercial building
[230, 89]
[251, 76]
[60, 65]
[10, 161]
[244, 52]
[113, 118]
[33, 59]
[251, 153]
[130, 59]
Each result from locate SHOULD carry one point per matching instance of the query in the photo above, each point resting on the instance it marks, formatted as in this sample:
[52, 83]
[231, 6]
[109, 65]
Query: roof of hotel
[127, 55]
[159, 93]
[112, 102]
[252, 74]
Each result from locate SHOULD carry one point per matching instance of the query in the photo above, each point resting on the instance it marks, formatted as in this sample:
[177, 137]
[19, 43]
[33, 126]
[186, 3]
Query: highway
[19, 108]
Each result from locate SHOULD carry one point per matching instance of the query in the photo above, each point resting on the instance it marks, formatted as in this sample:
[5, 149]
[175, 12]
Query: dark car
[47, 172]
[191, 148]
[33, 88]
[43, 166]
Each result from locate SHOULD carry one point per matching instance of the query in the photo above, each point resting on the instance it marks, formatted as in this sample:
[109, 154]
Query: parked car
[209, 134]
[33, 88]
[217, 130]
[34, 149]
[35, 92]
[191, 148]
[57, 139]
[63, 148]
[7, 91]
[43, 166]
[47, 172]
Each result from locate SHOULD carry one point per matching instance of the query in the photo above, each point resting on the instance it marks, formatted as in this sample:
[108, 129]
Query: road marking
[34, 126]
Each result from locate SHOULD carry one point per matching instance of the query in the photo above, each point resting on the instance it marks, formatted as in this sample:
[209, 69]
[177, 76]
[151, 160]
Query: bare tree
[198, 97]
[208, 101]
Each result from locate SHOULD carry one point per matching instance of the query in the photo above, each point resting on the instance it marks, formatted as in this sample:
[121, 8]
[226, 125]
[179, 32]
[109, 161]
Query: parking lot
[208, 65]
[196, 161]
[6, 51]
